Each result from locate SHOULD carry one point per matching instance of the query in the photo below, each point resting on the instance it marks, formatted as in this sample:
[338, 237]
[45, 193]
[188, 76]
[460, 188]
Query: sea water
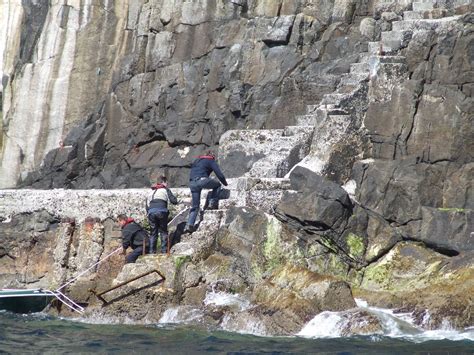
[43, 334]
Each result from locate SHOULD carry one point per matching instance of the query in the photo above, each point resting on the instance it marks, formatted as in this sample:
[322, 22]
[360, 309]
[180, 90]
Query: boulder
[447, 229]
[437, 290]
[317, 205]
[299, 295]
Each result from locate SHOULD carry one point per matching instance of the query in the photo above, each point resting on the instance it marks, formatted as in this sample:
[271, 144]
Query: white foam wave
[395, 325]
[226, 299]
[324, 325]
[180, 315]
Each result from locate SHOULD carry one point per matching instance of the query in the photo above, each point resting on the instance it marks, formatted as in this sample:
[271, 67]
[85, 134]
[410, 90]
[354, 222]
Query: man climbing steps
[158, 213]
[199, 179]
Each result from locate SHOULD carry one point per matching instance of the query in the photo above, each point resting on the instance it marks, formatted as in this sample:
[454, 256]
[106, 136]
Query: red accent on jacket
[158, 186]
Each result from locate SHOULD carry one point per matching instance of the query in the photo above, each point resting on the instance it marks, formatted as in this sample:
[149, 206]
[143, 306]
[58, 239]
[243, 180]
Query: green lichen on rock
[329, 244]
[407, 267]
[373, 251]
[328, 264]
[256, 270]
[272, 249]
[356, 245]
[296, 256]
[377, 274]
[446, 209]
[180, 260]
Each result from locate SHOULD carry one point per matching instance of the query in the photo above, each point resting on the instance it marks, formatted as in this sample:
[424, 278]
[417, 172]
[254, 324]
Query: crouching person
[158, 213]
[133, 236]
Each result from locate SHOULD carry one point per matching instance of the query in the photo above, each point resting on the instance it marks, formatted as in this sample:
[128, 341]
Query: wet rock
[348, 323]
[288, 299]
[315, 293]
[436, 289]
[224, 273]
[194, 296]
[360, 322]
[405, 267]
[261, 321]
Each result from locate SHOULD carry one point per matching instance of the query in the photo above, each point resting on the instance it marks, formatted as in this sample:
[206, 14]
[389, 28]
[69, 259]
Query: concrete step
[236, 192]
[354, 78]
[427, 5]
[392, 59]
[325, 110]
[311, 108]
[330, 131]
[250, 183]
[244, 183]
[422, 24]
[280, 158]
[359, 68]
[300, 129]
[364, 57]
[258, 135]
[459, 3]
[423, 5]
[334, 98]
[267, 153]
[306, 120]
[375, 48]
[395, 40]
[412, 15]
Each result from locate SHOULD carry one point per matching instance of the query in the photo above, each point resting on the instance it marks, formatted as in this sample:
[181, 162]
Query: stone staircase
[402, 31]
[267, 153]
[270, 154]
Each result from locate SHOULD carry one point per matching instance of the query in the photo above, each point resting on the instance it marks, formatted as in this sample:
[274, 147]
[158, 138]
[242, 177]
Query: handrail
[100, 294]
[92, 266]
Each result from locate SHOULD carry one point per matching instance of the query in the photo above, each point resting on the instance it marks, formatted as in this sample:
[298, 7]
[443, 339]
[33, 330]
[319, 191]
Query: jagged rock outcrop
[169, 79]
[349, 121]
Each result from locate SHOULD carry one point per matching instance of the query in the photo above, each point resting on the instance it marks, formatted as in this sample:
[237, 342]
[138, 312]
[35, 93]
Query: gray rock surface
[302, 98]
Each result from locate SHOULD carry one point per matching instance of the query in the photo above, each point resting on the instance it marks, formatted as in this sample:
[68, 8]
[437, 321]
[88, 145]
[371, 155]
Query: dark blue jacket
[203, 167]
[133, 235]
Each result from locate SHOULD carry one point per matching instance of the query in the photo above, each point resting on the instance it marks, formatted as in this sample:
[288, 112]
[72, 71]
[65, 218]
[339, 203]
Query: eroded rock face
[436, 288]
[25, 252]
[319, 203]
[169, 80]
[390, 120]
[242, 256]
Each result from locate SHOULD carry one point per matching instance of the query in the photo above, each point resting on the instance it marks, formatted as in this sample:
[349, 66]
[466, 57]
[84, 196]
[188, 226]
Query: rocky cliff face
[347, 126]
[127, 88]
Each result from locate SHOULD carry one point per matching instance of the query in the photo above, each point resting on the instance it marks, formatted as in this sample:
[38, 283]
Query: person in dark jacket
[157, 211]
[199, 179]
[133, 236]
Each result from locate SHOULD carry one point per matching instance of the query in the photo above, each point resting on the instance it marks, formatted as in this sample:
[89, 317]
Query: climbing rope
[91, 267]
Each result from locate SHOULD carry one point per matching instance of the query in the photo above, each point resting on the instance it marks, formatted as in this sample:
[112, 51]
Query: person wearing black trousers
[157, 211]
[200, 179]
[133, 236]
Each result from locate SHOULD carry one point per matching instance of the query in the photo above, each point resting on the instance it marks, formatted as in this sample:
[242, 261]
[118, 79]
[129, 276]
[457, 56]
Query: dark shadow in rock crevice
[436, 248]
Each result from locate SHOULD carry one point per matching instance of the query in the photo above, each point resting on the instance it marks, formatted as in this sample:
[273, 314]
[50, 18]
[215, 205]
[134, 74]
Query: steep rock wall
[144, 86]
[401, 143]
[58, 60]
